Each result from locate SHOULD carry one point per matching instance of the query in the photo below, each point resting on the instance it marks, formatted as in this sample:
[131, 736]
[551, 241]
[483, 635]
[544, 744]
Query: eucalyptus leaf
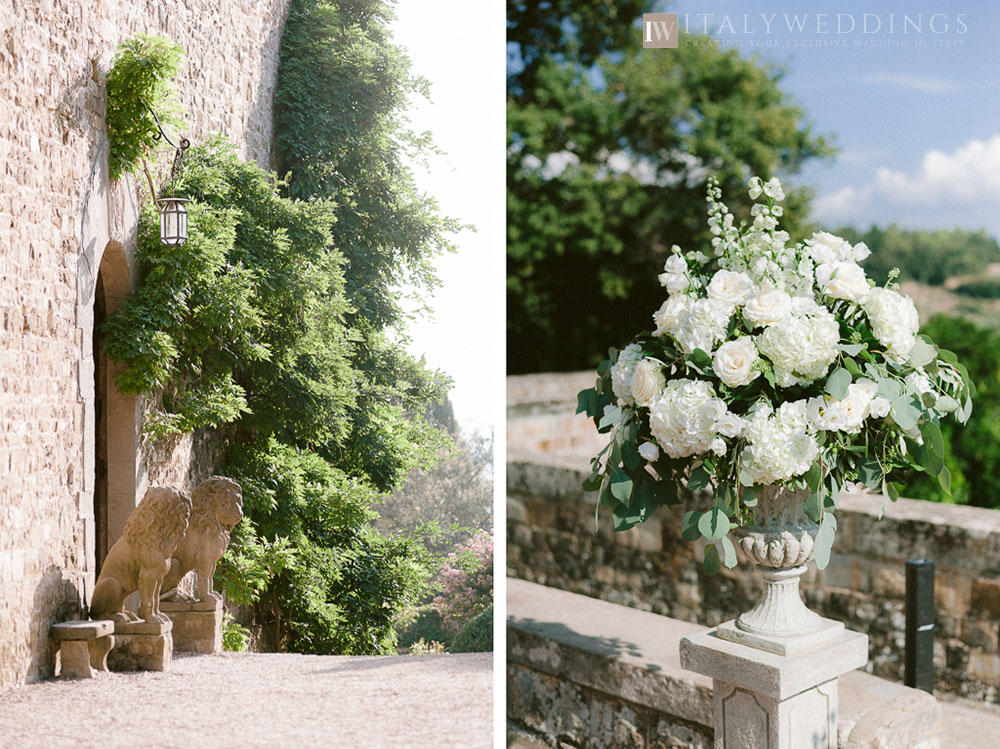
[837, 383]
[814, 477]
[904, 412]
[699, 479]
[689, 526]
[824, 543]
[922, 353]
[813, 507]
[621, 486]
[728, 553]
[630, 456]
[610, 417]
[944, 479]
[714, 524]
[712, 563]
[870, 472]
[583, 401]
[852, 349]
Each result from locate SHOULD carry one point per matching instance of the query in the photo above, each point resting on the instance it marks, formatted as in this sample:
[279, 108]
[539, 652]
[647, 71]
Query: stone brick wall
[552, 541]
[60, 219]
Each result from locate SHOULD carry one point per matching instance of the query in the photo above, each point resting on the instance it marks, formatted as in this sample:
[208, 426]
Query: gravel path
[263, 700]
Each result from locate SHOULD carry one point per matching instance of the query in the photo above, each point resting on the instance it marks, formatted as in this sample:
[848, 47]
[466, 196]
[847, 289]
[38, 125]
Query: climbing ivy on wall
[273, 320]
[142, 71]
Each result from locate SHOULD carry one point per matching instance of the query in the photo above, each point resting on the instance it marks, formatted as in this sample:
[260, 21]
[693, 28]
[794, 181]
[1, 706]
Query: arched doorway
[115, 432]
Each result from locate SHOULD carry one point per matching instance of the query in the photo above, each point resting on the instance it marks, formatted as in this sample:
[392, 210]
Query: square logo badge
[659, 30]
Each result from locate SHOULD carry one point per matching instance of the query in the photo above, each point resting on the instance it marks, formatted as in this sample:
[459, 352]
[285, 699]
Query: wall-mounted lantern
[173, 221]
[173, 214]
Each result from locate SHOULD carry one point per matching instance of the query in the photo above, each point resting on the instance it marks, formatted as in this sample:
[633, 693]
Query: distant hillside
[933, 300]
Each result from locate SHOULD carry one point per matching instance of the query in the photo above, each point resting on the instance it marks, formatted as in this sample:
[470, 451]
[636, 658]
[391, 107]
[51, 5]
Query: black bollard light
[919, 659]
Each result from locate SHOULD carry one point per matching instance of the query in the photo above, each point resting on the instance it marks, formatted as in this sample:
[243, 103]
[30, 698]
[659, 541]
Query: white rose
[718, 446]
[843, 281]
[734, 360]
[670, 312]
[730, 287]
[861, 252]
[768, 307]
[730, 425]
[647, 382]
[829, 248]
[649, 451]
[675, 264]
[673, 282]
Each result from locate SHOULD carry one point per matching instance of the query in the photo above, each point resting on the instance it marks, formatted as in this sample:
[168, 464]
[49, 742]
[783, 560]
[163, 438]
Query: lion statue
[217, 506]
[141, 557]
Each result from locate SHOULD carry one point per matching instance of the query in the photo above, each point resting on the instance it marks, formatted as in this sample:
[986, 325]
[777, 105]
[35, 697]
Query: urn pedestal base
[762, 699]
[827, 629]
[197, 625]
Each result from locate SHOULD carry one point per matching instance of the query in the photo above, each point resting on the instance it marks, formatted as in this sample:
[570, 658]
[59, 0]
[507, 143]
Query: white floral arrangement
[769, 363]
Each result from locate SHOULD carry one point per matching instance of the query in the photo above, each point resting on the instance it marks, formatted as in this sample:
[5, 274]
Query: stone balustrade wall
[552, 540]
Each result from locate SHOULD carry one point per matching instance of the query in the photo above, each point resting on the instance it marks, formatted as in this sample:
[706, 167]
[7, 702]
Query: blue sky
[916, 115]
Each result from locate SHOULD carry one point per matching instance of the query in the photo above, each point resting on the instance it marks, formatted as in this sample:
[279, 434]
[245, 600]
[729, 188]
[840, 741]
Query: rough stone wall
[58, 213]
[552, 540]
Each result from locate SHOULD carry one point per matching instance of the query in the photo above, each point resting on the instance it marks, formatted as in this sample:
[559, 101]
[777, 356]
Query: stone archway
[116, 423]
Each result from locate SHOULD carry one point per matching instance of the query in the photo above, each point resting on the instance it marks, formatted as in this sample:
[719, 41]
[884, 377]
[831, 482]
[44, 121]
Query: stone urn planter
[780, 543]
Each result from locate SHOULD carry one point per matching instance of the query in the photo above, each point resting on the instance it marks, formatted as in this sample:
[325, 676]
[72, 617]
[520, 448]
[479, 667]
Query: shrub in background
[466, 581]
[424, 623]
[475, 636]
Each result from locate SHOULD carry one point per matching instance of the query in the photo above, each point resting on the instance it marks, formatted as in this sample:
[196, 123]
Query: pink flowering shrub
[466, 581]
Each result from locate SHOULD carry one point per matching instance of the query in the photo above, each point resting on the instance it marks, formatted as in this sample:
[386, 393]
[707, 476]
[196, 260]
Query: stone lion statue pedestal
[216, 507]
[142, 646]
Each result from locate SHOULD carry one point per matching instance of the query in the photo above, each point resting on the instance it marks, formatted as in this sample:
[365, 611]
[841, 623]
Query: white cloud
[925, 84]
[962, 182]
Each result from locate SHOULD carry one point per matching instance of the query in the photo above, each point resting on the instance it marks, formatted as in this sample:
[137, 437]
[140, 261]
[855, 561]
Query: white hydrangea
[801, 347]
[894, 321]
[780, 443]
[621, 373]
[684, 419]
[701, 324]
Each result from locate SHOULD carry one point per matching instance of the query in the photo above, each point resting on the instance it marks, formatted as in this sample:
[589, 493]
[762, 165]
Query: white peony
[647, 382]
[843, 281]
[847, 414]
[894, 322]
[683, 419]
[780, 444]
[621, 373]
[801, 348]
[649, 451]
[732, 288]
[733, 362]
[767, 307]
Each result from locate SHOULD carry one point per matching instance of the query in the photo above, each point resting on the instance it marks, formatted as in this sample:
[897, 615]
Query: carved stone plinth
[83, 647]
[763, 700]
[197, 625]
[142, 646]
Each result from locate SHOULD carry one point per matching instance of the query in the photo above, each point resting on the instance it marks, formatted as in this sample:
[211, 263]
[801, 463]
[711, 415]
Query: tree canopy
[609, 149]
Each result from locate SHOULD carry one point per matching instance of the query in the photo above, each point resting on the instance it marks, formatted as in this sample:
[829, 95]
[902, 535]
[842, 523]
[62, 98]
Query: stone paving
[263, 700]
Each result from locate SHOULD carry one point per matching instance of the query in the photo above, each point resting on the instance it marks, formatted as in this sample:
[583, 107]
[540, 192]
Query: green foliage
[142, 71]
[245, 320]
[476, 636]
[607, 160]
[343, 88]
[972, 451]
[235, 638]
[425, 623]
[981, 288]
[318, 579]
[420, 647]
[931, 257]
